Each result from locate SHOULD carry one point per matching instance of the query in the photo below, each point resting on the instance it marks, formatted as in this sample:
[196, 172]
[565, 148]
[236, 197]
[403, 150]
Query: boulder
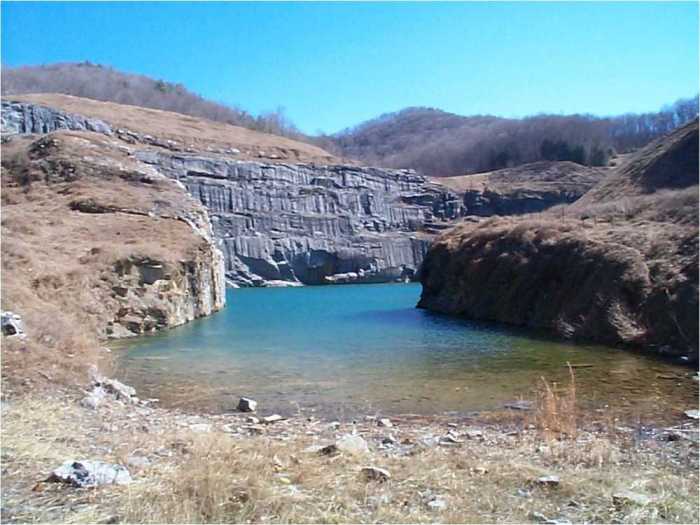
[12, 325]
[627, 497]
[88, 473]
[245, 404]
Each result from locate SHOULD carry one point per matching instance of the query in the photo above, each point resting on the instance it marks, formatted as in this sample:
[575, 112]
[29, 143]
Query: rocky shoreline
[124, 441]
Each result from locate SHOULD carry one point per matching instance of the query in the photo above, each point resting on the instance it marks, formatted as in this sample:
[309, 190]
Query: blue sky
[335, 65]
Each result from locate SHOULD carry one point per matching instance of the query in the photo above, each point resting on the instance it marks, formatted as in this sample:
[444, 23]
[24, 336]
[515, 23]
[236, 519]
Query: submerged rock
[87, 473]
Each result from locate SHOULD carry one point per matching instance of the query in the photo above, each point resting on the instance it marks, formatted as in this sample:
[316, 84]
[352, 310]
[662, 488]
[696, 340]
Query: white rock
[550, 481]
[352, 444]
[86, 473]
[627, 497]
[138, 461]
[246, 404]
[272, 419]
[693, 414]
[200, 427]
[385, 422]
[437, 504]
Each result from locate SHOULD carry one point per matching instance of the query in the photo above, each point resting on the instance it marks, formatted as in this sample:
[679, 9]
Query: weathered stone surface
[22, 118]
[86, 473]
[312, 224]
[287, 223]
[12, 325]
[246, 404]
[352, 444]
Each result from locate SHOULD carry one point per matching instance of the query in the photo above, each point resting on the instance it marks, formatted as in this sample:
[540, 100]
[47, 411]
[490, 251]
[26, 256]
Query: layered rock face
[620, 266]
[288, 224]
[22, 118]
[284, 223]
[529, 188]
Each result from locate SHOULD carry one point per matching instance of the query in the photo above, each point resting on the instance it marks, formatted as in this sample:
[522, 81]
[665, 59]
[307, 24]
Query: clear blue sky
[335, 65]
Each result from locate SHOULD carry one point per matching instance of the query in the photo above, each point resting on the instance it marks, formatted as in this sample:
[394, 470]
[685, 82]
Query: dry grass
[556, 414]
[275, 478]
[192, 132]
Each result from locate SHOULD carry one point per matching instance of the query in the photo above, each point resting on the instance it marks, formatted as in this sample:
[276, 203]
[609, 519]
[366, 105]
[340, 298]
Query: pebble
[385, 422]
[437, 504]
[375, 474]
[693, 414]
[627, 497]
[550, 481]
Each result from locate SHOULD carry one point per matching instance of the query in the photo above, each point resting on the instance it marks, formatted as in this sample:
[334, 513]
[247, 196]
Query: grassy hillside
[99, 82]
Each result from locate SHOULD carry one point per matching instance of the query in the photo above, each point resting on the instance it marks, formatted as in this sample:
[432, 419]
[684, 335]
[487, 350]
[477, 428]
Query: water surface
[344, 350]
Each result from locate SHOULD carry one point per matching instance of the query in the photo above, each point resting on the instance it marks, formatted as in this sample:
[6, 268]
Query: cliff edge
[97, 245]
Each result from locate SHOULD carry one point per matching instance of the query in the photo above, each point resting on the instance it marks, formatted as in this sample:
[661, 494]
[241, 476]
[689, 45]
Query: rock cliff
[620, 266]
[281, 223]
[89, 230]
[312, 224]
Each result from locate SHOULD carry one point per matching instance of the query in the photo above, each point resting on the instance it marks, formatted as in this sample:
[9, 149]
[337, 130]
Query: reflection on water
[359, 348]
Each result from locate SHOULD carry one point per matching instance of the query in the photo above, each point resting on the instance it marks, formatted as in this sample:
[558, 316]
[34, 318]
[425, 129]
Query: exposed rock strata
[282, 223]
[22, 118]
[311, 224]
[620, 268]
[529, 188]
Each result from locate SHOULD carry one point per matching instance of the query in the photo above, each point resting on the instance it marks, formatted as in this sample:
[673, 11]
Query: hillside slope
[181, 132]
[442, 144]
[106, 84]
[620, 267]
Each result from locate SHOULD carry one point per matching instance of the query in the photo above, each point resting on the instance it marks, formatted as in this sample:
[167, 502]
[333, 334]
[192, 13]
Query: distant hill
[442, 144]
[432, 141]
[104, 83]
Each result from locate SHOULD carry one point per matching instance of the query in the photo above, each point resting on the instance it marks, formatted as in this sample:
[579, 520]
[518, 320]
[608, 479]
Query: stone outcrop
[22, 118]
[285, 224]
[312, 224]
[529, 188]
[620, 268]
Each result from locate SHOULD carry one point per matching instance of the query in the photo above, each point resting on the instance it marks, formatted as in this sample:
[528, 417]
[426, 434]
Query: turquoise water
[342, 350]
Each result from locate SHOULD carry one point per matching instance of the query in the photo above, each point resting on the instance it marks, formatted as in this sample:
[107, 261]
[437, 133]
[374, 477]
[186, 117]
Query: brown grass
[556, 414]
[275, 478]
[188, 131]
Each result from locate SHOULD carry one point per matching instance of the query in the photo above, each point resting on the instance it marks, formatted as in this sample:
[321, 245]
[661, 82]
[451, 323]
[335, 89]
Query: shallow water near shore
[339, 351]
